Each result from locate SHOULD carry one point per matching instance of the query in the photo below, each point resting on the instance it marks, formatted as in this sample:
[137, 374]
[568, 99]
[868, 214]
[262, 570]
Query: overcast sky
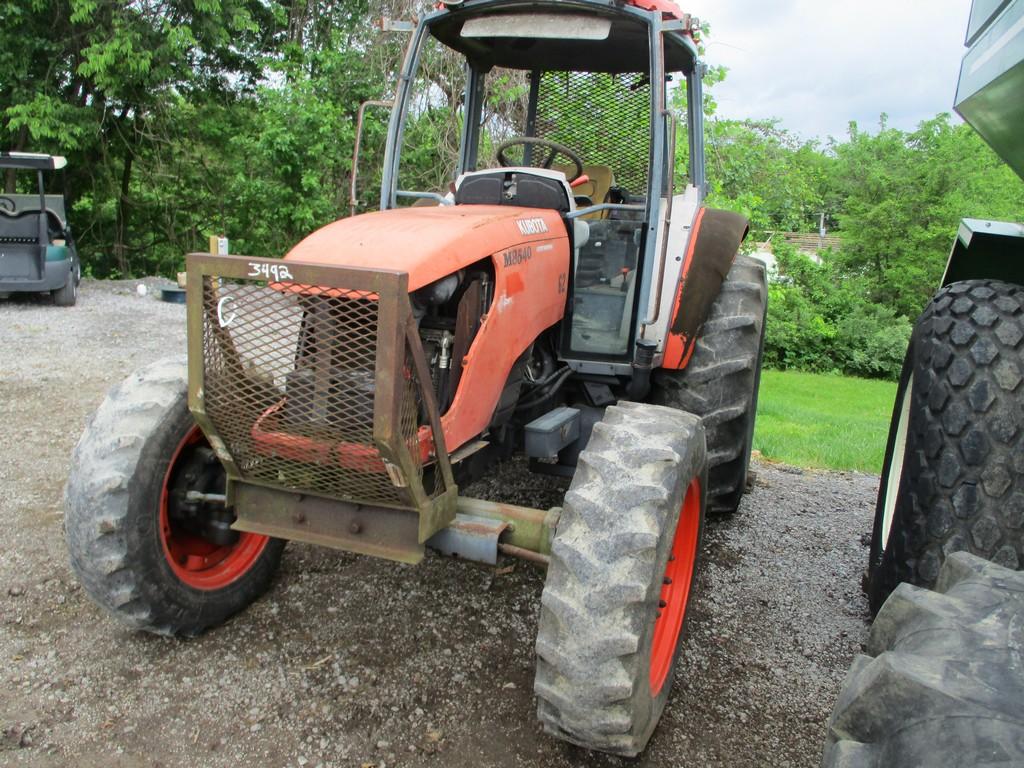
[817, 64]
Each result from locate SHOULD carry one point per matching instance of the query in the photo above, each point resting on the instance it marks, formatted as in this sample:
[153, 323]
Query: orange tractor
[590, 314]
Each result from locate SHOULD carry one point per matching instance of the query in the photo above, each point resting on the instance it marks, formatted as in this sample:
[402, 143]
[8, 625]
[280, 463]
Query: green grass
[825, 422]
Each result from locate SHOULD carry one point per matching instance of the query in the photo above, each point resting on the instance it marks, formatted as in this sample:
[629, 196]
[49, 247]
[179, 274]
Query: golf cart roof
[32, 161]
[563, 35]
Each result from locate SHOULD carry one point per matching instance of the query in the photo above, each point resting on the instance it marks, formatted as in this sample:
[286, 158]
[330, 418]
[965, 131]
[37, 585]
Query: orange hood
[427, 242]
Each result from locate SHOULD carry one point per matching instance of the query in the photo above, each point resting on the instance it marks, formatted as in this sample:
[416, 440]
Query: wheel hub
[195, 526]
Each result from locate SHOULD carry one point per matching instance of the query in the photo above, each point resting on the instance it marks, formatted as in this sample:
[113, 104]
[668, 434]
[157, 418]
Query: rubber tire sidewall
[926, 526]
[658, 703]
[878, 583]
[734, 500]
[603, 555]
[664, 392]
[943, 686]
[67, 294]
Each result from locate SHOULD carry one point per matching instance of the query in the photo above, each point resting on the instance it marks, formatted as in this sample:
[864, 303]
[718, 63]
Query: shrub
[822, 321]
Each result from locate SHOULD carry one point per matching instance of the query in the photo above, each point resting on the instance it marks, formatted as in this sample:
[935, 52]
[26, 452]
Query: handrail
[604, 207]
[441, 199]
[663, 257]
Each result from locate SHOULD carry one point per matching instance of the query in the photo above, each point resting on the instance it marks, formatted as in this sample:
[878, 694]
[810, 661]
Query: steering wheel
[7, 205]
[554, 150]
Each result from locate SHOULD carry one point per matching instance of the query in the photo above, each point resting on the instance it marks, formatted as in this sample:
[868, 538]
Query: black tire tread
[963, 487]
[601, 581]
[721, 380]
[946, 679]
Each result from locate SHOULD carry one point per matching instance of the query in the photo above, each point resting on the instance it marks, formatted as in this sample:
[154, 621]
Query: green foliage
[190, 117]
[823, 321]
[823, 421]
[761, 170]
[900, 197]
[895, 199]
[186, 118]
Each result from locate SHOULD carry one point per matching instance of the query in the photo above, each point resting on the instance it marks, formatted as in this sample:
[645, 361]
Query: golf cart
[37, 252]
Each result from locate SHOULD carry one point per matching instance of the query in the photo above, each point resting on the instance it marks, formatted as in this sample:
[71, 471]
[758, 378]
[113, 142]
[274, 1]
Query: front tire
[623, 568]
[953, 477]
[137, 552]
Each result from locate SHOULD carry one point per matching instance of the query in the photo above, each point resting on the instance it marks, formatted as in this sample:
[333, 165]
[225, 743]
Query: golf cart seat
[37, 253]
[23, 227]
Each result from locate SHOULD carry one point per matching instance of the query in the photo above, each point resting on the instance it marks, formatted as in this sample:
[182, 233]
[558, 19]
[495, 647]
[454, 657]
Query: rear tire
[606, 646]
[67, 295]
[131, 556]
[953, 477]
[721, 381]
[947, 681]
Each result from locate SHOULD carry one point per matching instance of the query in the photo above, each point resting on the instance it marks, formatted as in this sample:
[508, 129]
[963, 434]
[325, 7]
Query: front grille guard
[313, 379]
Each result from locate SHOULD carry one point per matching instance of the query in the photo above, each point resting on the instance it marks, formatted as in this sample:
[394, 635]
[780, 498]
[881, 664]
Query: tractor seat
[601, 181]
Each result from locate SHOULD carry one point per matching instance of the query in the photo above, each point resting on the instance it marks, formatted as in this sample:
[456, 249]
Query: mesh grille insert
[605, 118]
[289, 380]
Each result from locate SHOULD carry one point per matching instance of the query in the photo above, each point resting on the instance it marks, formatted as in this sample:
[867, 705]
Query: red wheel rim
[675, 589]
[199, 563]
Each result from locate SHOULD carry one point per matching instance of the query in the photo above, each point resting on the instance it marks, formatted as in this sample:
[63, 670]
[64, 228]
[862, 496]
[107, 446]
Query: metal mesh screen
[605, 118]
[289, 382]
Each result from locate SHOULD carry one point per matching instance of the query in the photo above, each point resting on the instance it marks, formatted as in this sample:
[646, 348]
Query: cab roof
[593, 36]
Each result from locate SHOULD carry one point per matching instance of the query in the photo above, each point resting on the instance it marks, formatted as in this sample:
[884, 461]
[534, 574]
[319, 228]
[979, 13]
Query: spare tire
[946, 682]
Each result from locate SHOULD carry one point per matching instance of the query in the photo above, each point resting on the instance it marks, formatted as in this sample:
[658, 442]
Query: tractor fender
[987, 250]
[716, 239]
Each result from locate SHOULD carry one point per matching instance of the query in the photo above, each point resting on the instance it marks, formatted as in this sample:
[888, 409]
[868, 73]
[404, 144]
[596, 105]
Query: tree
[903, 195]
[99, 81]
[760, 169]
[820, 320]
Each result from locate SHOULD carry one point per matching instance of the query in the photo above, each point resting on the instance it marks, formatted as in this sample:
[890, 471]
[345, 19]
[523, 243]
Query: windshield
[603, 118]
[579, 79]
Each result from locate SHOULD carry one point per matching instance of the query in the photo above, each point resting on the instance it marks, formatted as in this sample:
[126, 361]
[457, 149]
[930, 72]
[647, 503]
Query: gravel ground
[349, 661]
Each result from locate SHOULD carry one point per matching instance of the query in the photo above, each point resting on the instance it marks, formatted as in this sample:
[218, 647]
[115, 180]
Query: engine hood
[427, 242]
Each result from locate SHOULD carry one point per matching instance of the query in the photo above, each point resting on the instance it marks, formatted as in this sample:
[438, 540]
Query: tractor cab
[564, 107]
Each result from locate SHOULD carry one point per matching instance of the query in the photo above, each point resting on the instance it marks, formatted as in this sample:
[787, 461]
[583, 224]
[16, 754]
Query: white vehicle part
[679, 231]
